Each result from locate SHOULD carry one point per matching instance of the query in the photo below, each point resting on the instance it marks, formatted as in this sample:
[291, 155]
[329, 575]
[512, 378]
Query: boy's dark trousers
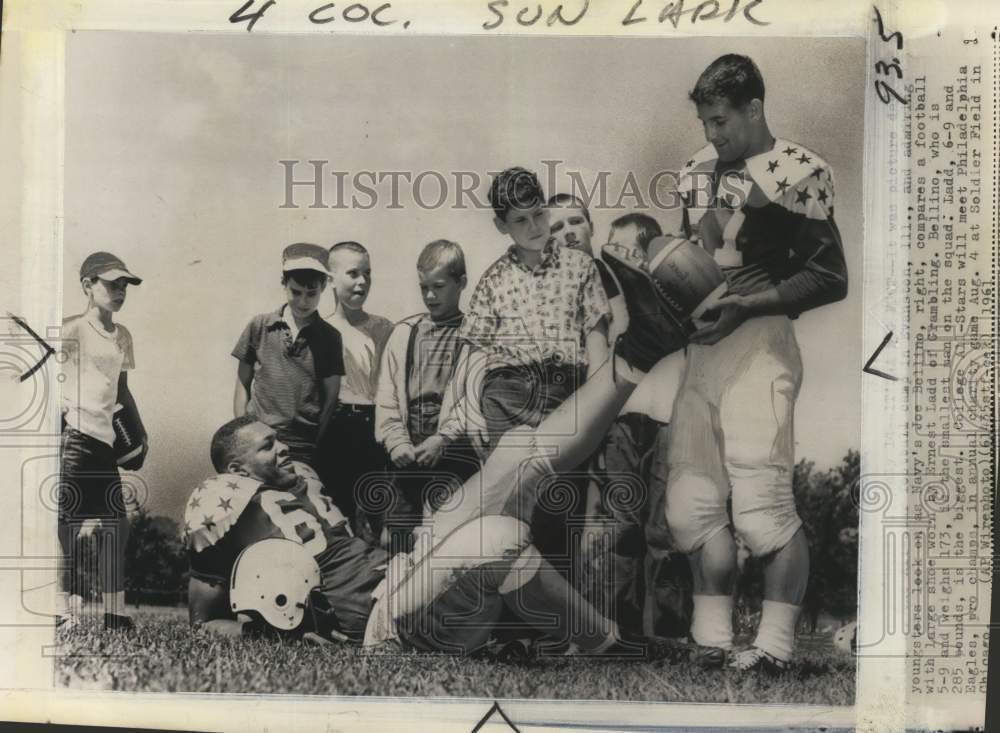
[525, 395]
[300, 439]
[352, 466]
[418, 488]
[90, 487]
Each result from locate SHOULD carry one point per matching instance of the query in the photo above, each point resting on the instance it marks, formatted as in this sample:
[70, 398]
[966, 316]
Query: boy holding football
[290, 359]
[99, 354]
[421, 414]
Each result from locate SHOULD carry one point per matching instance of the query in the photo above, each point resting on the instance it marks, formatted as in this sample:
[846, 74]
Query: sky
[173, 150]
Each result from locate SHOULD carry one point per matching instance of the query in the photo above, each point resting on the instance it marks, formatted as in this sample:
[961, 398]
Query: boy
[450, 596]
[99, 355]
[539, 318]
[626, 497]
[732, 419]
[350, 450]
[290, 359]
[421, 417]
[538, 313]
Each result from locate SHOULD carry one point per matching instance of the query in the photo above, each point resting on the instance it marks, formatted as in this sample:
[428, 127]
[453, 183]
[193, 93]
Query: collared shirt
[96, 358]
[287, 369]
[423, 376]
[523, 315]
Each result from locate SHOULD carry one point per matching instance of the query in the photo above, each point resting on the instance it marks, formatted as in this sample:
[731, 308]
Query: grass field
[164, 655]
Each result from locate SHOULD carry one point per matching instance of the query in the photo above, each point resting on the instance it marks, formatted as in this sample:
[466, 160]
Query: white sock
[776, 633]
[626, 371]
[73, 606]
[713, 621]
[114, 602]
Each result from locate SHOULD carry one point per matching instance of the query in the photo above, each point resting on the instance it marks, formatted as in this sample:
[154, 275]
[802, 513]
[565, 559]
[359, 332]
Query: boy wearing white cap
[290, 359]
[98, 354]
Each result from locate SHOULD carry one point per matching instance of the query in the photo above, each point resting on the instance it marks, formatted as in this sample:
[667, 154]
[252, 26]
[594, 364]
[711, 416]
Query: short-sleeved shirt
[363, 346]
[524, 315]
[227, 513]
[288, 369]
[96, 358]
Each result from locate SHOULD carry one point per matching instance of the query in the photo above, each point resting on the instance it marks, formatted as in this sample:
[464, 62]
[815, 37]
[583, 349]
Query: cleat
[116, 622]
[709, 657]
[650, 649]
[655, 328]
[68, 622]
[756, 659]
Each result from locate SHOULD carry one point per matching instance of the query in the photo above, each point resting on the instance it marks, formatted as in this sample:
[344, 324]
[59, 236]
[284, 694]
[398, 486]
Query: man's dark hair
[305, 278]
[226, 441]
[731, 77]
[562, 199]
[646, 225]
[515, 188]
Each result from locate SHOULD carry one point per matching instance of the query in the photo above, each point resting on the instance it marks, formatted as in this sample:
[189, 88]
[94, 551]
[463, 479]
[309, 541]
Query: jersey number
[295, 523]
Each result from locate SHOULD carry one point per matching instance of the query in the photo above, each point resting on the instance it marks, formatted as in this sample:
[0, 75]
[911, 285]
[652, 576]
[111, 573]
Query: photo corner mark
[869, 369]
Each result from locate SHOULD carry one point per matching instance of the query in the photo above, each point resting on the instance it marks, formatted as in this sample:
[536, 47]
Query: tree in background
[156, 565]
[827, 503]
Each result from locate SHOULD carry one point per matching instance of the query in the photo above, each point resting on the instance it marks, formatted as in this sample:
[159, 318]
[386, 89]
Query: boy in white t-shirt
[99, 353]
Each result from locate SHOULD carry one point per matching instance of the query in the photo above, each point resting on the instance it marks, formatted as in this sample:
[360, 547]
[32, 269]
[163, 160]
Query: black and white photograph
[473, 367]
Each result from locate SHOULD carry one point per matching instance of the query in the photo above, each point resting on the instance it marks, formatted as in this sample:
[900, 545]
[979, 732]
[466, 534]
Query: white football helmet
[274, 577]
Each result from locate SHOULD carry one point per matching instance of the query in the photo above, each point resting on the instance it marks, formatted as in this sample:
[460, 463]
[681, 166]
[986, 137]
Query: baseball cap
[107, 267]
[304, 256]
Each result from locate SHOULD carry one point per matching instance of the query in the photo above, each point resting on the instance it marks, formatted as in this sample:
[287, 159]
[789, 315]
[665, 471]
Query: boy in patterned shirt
[539, 319]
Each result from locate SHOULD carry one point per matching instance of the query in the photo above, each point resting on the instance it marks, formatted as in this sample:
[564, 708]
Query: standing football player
[763, 207]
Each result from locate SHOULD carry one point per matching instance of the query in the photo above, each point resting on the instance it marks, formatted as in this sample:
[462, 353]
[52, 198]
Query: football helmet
[273, 578]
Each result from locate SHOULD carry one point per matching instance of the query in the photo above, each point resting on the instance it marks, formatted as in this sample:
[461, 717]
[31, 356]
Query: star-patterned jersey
[768, 222]
[228, 513]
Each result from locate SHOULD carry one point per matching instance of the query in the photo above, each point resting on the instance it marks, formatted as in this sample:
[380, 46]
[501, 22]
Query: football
[685, 274]
[129, 438]
[845, 639]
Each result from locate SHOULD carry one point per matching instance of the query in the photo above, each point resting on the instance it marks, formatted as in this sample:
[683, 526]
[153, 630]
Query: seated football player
[476, 559]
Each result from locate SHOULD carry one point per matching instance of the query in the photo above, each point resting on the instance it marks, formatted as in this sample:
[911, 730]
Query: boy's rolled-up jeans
[513, 396]
[525, 394]
[90, 487]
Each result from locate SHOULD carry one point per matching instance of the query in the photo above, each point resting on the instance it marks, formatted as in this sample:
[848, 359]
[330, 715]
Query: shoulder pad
[701, 162]
[794, 177]
[215, 506]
